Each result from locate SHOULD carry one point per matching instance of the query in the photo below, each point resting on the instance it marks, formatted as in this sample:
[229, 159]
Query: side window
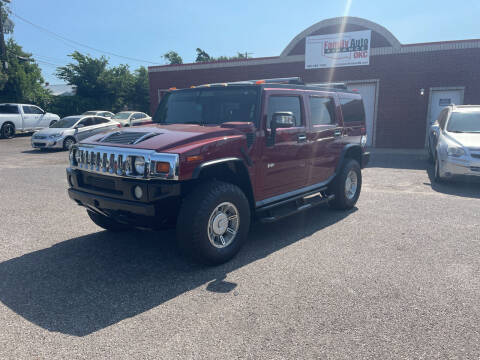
[322, 110]
[284, 103]
[101, 121]
[35, 110]
[27, 110]
[87, 121]
[8, 109]
[442, 118]
[352, 110]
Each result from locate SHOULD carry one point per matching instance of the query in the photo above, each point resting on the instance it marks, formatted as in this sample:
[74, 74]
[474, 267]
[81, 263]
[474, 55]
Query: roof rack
[337, 85]
[288, 80]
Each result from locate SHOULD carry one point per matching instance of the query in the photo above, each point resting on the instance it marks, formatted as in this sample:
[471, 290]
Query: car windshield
[468, 122]
[208, 106]
[122, 115]
[67, 122]
[90, 113]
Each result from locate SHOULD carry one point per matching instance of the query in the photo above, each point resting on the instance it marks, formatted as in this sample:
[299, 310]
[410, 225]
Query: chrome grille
[119, 161]
[476, 156]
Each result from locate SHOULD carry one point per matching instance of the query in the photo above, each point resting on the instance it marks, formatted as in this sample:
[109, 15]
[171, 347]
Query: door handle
[337, 133]
[301, 138]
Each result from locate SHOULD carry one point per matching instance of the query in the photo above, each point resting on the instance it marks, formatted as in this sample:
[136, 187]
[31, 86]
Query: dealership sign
[336, 50]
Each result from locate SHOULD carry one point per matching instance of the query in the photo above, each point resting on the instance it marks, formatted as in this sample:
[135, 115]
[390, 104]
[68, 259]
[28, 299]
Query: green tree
[141, 94]
[202, 56]
[24, 83]
[6, 27]
[173, 58]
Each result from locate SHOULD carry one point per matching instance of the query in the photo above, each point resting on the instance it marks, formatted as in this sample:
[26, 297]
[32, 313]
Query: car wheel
[438, 177]
[108, 223]
[213, 222]
[68, 143]
[7, 131]
[431, 158]
[346, 186]
[52, 123]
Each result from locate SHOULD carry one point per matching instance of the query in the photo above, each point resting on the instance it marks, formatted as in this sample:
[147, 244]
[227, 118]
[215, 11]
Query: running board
[293, 207]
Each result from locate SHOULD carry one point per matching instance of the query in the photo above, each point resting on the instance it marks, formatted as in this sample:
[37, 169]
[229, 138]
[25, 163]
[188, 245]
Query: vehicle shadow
[87, 283]
[398, 161]
[43, 152]
[465, 187]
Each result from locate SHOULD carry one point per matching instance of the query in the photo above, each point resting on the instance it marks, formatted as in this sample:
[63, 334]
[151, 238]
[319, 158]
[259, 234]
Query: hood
[50, 131]
[468, 140]
[160, 137]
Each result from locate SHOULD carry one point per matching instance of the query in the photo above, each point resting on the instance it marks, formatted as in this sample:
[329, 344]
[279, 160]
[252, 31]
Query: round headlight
[76, 153]
[139, 164]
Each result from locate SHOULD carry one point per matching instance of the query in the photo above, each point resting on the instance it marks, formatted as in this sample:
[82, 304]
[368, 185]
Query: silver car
[71, 129]
[454, 142]
[132, 118]
[103, 113]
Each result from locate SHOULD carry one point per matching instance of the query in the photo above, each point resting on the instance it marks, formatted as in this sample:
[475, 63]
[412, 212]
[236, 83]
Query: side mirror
[280, 120]
[79, 126]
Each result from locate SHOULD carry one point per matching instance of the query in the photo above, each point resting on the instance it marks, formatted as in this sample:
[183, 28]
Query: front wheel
[68, 143]
[346, 186]
[438, 171]
[108, 223]
[213, 222]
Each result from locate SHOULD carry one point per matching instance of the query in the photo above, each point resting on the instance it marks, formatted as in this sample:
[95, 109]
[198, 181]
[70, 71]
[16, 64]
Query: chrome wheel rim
[351, 184]
[68, 143]
[223, 225]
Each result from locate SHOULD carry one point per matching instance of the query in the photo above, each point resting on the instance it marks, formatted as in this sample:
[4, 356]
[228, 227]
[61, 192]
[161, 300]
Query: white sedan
[454, 142]
[132, 118]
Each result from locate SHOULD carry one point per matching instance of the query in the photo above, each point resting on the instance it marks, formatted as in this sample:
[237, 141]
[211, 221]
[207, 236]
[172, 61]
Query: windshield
[122, 115]
[468, 122]
[67, 122]
[90, 113]
[208, 106]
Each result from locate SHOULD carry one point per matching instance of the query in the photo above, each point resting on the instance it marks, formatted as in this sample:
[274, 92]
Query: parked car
[103, 113]
[454, 142]
[16, 118]
[71, 129]
[217, 157]
[132, 118]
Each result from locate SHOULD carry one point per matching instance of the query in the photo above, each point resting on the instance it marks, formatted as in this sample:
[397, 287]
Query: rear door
[284, 163]
[324, 136]
[100, 125]
[86, 130]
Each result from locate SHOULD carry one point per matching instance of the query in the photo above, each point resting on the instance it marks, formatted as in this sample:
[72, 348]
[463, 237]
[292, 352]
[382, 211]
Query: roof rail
[288, 80]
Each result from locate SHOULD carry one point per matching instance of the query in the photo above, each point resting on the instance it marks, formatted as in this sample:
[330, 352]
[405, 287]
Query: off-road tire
[337, 188]
[193, 221]
[108, 223]
[7, 131]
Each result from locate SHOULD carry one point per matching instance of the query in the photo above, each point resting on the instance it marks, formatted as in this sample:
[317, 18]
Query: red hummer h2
[221, 155]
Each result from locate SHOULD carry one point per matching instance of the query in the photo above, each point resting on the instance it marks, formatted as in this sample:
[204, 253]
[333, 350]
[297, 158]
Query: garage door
[368, 92]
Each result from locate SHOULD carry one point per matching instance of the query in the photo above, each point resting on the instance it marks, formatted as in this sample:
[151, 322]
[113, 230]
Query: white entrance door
[368, 92]
[441, 98]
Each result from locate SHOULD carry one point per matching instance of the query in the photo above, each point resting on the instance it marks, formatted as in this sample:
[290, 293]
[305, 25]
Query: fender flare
[343, 155]
[202, 166]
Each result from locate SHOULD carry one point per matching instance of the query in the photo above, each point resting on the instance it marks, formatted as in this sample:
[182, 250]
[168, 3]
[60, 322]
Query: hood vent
[127, 137]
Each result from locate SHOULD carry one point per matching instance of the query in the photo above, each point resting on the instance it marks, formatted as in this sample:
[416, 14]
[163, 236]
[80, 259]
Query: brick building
[404, 86]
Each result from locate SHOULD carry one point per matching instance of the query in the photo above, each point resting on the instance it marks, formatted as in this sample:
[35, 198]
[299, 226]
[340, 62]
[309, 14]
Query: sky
[144, 30]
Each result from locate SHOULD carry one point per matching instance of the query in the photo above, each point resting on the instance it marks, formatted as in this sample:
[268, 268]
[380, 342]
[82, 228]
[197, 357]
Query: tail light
[119, 125]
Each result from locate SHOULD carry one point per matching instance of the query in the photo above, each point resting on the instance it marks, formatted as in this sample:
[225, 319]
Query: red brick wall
[402, 112]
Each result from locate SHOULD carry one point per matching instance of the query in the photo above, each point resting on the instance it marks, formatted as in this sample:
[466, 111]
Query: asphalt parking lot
[397, 277]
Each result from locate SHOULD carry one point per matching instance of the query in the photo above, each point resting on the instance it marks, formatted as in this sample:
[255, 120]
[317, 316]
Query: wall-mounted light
[422, 91]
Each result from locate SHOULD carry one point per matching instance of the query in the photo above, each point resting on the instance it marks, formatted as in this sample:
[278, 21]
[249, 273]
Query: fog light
[138, 192]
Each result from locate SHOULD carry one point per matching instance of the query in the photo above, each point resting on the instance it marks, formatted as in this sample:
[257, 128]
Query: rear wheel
[213, 222]
[7, 131]
[107, 223]
[346, 186]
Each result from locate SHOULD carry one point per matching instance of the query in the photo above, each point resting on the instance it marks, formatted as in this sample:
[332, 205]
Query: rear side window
[100, 121]
[284, 103]
[352, 110]
[8, 109]
[322, 110]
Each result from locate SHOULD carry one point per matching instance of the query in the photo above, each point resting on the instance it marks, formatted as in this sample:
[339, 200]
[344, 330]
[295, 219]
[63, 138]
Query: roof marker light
[260, 82]
[173, 88]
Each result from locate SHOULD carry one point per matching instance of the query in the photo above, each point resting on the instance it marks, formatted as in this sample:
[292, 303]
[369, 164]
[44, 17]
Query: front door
[284, 162]
[439, 98]
[31, 117]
